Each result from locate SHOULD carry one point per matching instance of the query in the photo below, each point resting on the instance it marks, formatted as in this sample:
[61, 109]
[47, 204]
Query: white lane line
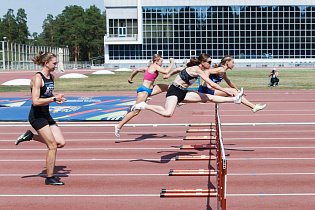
[290, 158]
[93, 159]
[82, 195]
[238, 131]
[269, 148]
[147, 159]
[116, 141]
[147, 195]
[181, 139]
[271, 194]
[67, 175]
[80, 149]
[165, 148]
[270, 131]
[241, 138]
[268, 174]
[74, 124]
[232, 174]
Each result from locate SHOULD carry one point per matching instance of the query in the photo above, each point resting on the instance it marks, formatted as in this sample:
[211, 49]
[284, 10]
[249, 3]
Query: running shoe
[238, 97]
[180, 104]
[53, 181]
[258, 107]
[138, 106]
[27, 136]
[117, 131]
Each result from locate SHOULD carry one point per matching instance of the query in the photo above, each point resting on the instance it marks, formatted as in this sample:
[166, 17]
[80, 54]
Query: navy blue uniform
[216, 79]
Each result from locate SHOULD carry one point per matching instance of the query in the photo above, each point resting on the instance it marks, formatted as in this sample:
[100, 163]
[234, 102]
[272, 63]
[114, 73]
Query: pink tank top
[149, 76]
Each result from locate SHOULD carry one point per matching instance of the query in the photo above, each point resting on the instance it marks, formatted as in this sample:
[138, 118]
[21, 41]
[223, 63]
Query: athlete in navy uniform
[42, 86]
[217, 74]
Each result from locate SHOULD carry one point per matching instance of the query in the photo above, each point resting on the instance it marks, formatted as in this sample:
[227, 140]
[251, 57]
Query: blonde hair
[223, 61]
[42, 57]
[156, 57]
[196, 61]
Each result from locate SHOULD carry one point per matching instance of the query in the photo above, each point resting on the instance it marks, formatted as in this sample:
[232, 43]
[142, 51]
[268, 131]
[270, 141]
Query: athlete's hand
[130, 81]
[171, 60]
[61, 101]
[243, 93]
[229, 94]
[60, 98]
[166, 76]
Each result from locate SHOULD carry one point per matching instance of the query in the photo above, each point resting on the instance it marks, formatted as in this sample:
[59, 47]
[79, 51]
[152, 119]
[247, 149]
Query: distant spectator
[274, 80]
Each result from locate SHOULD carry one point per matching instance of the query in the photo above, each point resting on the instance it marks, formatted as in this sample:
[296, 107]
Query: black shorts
[176, 91]
[39, 120]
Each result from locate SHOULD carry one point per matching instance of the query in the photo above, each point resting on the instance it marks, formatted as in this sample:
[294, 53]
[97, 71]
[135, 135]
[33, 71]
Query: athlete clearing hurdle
[147, 88]
[217, 74]
[178, 90]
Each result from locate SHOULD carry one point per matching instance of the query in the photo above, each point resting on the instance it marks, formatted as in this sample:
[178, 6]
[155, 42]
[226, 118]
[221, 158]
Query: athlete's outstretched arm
[166, 70]
[211, 83]
[175, 71]
[135, 72]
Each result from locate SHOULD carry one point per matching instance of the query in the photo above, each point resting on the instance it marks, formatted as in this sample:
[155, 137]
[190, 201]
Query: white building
[277, 33]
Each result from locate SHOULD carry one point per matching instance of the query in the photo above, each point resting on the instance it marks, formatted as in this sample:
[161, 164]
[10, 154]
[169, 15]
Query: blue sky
[37, 10]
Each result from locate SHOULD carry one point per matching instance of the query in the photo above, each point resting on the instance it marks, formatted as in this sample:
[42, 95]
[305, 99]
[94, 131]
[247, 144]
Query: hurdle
[221, 163]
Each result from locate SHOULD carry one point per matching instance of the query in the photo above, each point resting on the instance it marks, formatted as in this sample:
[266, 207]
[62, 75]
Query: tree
[70, 29]
[21, 21]
[48, 30]
[9, 25]
[95, 29]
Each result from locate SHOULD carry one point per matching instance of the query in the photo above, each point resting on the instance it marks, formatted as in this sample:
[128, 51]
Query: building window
[244, 32]
[122, 31]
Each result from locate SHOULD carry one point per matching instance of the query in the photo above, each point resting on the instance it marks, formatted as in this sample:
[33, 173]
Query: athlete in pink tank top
[149, 76]
[147, 88]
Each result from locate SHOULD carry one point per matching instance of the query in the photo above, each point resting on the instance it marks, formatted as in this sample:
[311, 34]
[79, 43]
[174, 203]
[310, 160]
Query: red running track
[269, 166]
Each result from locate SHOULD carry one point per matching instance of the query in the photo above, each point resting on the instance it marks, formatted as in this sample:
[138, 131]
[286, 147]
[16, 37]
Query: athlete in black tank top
[45, 92]
[48, 132]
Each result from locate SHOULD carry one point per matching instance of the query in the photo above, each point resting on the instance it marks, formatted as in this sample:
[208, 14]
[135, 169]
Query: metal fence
[15, 56]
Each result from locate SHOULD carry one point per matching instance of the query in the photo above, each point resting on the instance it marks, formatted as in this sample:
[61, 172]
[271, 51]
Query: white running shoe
[258, 107]
[133, 108]
[238, 98]
[180, 104]
[117, 131]
[139, 106]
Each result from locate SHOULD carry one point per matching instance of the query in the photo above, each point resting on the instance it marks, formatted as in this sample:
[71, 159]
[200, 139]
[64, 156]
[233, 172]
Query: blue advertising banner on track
[74, 109]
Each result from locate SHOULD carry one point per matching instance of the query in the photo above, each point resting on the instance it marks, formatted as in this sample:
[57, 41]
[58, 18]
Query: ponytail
[223, 61]
[196, 61]
[42, 57]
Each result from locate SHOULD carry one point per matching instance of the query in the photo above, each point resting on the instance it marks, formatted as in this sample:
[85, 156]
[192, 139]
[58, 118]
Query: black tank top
[45, 92]
[187, 78]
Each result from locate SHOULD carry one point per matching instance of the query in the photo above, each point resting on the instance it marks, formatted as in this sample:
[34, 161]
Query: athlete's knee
[208, 98]
[205, 100]
[136, 112]
[61, 144]
[52, 146]
[168, 114]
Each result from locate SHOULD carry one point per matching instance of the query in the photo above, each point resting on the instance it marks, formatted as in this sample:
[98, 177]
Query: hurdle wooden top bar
[203, 146]
[200, 130]
[202, 125]
[199, 138]
[192, 172]
[197, 157]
